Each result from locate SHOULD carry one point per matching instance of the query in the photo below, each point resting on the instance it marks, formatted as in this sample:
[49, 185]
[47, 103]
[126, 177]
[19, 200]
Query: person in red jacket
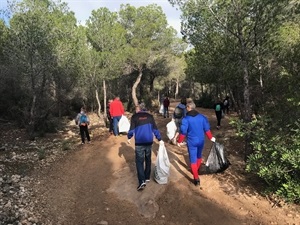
[116, 111]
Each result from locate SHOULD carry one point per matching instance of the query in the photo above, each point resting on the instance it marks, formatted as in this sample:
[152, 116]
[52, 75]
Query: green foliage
[66, 145]
[41, 153]
[276, 155]
[205, 101]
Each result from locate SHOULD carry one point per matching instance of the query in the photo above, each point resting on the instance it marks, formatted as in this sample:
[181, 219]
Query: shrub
[275, 157]
[205, 101]
[41, 153]
[66, 145]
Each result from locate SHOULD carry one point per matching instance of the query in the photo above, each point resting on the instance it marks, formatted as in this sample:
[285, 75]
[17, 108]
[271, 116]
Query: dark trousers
[111, 124]
[219, 117]
[143, 155]
[166, 111]
[226, 109]
[84, 132]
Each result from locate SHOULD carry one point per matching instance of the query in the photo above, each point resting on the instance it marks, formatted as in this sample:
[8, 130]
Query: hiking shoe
[141, 186]
[197, 182]
[82, 143]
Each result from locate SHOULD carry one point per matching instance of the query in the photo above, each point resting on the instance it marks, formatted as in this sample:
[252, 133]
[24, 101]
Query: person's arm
[131, 129]
[77, 119]
[209, 136]
[122, 109]
[88, 120]
[183, 130]
[155, 130]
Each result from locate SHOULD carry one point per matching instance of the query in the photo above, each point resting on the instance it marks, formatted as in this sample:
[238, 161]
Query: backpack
[83, 120]
[178, 113]
[218, 107]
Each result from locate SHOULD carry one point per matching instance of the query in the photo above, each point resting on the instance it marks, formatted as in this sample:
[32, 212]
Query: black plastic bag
[216, 161]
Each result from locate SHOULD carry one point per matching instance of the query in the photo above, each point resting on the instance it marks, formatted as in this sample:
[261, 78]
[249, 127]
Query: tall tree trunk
[176, 89]
[104, 100]
[246, 111]
[98, 102]
[134, 87]
[31, 125]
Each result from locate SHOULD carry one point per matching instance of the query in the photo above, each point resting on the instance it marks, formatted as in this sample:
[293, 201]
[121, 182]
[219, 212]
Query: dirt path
[97, 185]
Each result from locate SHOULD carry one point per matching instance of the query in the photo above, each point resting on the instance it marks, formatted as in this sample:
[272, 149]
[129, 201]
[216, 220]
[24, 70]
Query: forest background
[247, 50]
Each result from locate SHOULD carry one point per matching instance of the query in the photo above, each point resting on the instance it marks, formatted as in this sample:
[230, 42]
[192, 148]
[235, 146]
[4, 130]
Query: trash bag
[123, 124]
[171, 129]
[162, 165]
[216, 161]
[161, 109]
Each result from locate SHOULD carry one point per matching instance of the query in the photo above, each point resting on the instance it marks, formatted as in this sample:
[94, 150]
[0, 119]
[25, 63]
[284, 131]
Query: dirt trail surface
[96, 184]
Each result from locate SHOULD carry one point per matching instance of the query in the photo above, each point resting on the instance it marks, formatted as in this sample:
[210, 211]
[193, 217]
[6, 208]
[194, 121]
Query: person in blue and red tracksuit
[143, 127]
[194, 125]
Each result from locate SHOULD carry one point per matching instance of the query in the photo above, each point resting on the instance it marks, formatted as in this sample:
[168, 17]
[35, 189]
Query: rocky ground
[21, 158]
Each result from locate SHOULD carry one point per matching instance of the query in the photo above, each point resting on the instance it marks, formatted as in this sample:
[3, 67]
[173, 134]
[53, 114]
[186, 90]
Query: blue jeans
[143, 154]
[116, 120]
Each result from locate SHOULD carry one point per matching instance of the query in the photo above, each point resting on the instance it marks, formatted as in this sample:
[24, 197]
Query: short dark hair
[183, 101]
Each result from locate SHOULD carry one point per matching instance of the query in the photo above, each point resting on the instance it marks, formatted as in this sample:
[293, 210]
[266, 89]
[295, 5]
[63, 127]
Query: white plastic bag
[171, 129]
[162, 165]
[161, 109]
[124, 124]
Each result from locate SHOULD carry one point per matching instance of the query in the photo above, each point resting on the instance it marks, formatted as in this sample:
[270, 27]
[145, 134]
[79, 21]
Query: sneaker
[147, 180]
[141, 186]
[82, 143]
[197, 182]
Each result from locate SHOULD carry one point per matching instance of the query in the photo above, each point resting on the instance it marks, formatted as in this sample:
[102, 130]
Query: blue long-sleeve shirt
[143, 127]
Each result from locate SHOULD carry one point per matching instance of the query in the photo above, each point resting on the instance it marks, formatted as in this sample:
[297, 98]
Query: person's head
[82, 109]
[117, 98]
[183, 101]
[190, 105]
[140, 107]
[110, 100]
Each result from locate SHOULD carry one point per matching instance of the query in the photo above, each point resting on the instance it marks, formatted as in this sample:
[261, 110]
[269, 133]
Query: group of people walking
[191, 127]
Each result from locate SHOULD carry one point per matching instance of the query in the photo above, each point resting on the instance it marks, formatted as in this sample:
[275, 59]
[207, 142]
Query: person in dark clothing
[218, 107]
[83, 121]
[110, 120]
[166, 104]
[226, 105]
[143, 127]
[178, 114]
[194, 127]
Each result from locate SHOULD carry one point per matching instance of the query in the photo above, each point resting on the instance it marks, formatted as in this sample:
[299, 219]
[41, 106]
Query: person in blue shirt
[83, 121]
[194, 127]
[143, 127]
